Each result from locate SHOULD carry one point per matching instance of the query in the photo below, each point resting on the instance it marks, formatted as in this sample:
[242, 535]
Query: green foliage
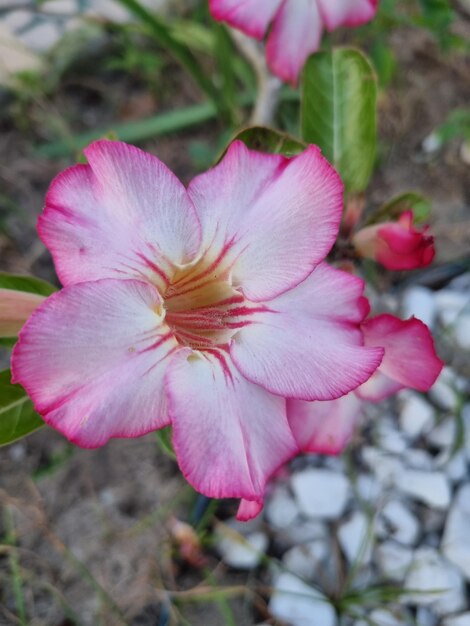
[407, 201]
[30, 284]
[17, 415]
[339, 97]
[164, 438]
[268, 140]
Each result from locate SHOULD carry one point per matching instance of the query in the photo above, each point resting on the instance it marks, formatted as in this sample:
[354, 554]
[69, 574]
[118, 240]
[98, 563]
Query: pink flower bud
[396, 245]
[15, 308]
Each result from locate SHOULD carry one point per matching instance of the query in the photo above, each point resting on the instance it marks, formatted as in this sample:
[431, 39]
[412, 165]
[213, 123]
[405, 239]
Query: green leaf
[164, 436]
[17, 415]
[26, 283]
[339, 112]
[268, 140]
[408, 201]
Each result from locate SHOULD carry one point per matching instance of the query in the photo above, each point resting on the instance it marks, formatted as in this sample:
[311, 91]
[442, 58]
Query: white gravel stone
[382, 617]
[430, 573]
[462, 331]
[384, 466]
[416, 415]
[60, 7]
[431, 488]
[444, 434]
[241, 552]
[356, 537]
[394, 560]
[368, 488]
[321, 493]
[281, 509]
[426, 617]
[454, 464]
[303, 531]
[457, 620]
[305, 560]
[300, 605]
[41, 37]
[456, 539]
[419, 459]
[390, 439]
[400, 523]
[419, 301]
[450, 304]
[444, 391]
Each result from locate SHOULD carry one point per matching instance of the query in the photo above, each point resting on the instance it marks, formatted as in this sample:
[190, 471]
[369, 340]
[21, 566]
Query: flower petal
[324, 427]
[123, 215]
[409, 361]
[295, 34]
[275, 218]
[229, 435]
[249, 509]
[337, 13]
[251, 16]
[306, 344]
[92, 358]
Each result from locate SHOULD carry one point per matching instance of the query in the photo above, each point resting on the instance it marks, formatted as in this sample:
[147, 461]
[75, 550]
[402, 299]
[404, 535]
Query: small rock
[241, 552]
[416, 415]
[368, 488]
[384, 466]
[390, 439]
[457, 620]
[462, 331]
[444, 392]
[355, 537]
[321, 493]
[450, 304]
[419, 301]
[300, 605]
[428, 575]
[42, 37]
[454, 464]
[302, 531]
[60, 7]
[305, 560]
[426, 617]
[419, 459]
[400, 523]
[281, 509]
[394, 560]
[456, 540]
[382, 617]
[17, 452]
[444, 434]
[431, 488]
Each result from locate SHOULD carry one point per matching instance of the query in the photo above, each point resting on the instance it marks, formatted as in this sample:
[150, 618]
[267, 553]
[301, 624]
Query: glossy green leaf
[339, 112]
[272, 141]
[391, 210]
[17, 415]
[30, 284]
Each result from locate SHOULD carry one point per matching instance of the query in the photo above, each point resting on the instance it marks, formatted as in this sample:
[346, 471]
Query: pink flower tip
[396, 245]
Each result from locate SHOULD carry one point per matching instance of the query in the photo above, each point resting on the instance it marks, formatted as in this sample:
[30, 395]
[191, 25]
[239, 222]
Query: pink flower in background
[410, 361]
[297, 26]
[202, 308]
[15, 308]
[396, 245]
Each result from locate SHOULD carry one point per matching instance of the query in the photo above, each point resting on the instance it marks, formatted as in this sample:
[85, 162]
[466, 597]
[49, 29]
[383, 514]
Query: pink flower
[201, 308]
[396, 245]
[410, 361]
[15, 308]
[297, 25]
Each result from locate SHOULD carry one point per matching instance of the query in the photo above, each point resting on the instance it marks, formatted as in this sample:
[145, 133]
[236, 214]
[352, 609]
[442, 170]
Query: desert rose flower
[297, 26]
[396, 245]
[203, 308]
[15, 308]
[410, 361]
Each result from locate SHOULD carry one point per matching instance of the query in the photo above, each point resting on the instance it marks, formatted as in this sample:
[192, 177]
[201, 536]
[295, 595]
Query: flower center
[203, 310]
